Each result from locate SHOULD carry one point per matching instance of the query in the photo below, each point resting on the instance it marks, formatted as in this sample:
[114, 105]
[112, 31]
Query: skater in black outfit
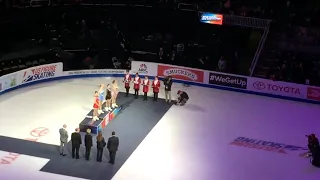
[108, 99]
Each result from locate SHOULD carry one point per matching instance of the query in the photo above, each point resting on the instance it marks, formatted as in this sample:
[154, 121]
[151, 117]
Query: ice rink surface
[189, 143]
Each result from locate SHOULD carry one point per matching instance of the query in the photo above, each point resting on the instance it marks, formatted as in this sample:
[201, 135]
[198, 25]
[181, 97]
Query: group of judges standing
[76, 141]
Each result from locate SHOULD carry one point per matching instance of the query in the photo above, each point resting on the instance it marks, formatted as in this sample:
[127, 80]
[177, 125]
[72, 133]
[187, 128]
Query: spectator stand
[76, 35]
[291, 51]
[232, 25]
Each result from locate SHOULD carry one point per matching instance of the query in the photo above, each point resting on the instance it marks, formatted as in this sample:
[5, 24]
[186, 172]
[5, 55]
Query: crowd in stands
[120, 34]
[291, 49]
[111, 37]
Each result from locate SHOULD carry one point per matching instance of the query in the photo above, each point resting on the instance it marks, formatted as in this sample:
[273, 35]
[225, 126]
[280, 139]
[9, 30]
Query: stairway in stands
[266, 61]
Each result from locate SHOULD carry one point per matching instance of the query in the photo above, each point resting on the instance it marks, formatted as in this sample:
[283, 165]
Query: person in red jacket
[126, 81]
[145, 85]
[156, 88]
[136, 85]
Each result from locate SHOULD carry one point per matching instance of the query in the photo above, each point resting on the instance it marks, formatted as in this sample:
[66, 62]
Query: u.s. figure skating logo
[266, 145]
[143, 68]
[39, 73]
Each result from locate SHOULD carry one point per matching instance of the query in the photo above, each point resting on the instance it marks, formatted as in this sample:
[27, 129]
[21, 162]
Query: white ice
[189, 143]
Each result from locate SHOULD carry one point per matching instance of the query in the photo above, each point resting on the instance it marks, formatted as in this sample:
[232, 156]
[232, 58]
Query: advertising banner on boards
[144, 68]
[228, 80]
[277, 88]
[41, 72]
[95, 71]
[8, 81]
[180, 73]
[313, 93]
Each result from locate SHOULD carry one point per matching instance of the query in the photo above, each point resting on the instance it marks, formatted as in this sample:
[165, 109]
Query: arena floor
[218, 135]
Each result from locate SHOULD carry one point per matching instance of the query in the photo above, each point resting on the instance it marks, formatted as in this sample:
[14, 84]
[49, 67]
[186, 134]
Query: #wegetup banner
[277, 88]
[227, 80]
[40, 73]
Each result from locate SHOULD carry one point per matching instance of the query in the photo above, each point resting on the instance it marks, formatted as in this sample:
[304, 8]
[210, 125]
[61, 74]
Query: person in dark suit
[113, 144]
[88, 143]
[101, 143]
[76, 142]
[167, 88]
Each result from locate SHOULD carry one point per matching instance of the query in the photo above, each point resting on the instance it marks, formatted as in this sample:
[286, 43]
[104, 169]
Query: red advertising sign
[313, 93]
[180, 73]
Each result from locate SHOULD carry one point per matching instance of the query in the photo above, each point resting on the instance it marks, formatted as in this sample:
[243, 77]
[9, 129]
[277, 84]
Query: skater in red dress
[136, 86]
[96, 106]
[156, 88]
[126, 81]
[145, 85]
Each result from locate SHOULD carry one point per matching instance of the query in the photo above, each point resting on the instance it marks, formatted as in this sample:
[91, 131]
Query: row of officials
[76, 141]
[155, 85]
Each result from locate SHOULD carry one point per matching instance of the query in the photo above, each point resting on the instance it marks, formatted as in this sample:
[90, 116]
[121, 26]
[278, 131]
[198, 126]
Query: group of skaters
[109, 93]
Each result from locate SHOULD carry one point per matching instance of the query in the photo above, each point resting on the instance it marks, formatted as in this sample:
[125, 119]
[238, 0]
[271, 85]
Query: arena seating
[136, 33]
[93, 36]
[291, 49]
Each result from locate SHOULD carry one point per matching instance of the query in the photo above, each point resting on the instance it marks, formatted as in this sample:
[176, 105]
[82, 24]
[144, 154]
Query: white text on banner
[95, 71]
[40, 73]
[144, 68]
[277, 88]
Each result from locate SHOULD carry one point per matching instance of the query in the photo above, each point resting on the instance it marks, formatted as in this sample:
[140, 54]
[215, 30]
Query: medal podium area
[132, 121]
[99, 125]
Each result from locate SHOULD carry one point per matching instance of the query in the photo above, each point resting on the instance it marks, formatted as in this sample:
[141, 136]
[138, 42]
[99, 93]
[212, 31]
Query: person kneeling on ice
[182, 98]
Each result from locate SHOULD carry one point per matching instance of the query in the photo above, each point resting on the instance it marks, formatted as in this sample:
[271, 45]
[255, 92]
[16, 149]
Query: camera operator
[314, 149]
[167, 81]
[313, 142]
[183, 98]
[316, 157]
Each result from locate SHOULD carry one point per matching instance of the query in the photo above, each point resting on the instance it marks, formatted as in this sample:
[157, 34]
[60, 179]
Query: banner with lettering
[40, 73]
[95, 71]
[144, 68]
[181, 73]
[313, 93]
[277, 88]
[228, 80]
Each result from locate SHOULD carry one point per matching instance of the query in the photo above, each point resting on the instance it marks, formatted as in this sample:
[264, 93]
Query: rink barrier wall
[185, 77]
